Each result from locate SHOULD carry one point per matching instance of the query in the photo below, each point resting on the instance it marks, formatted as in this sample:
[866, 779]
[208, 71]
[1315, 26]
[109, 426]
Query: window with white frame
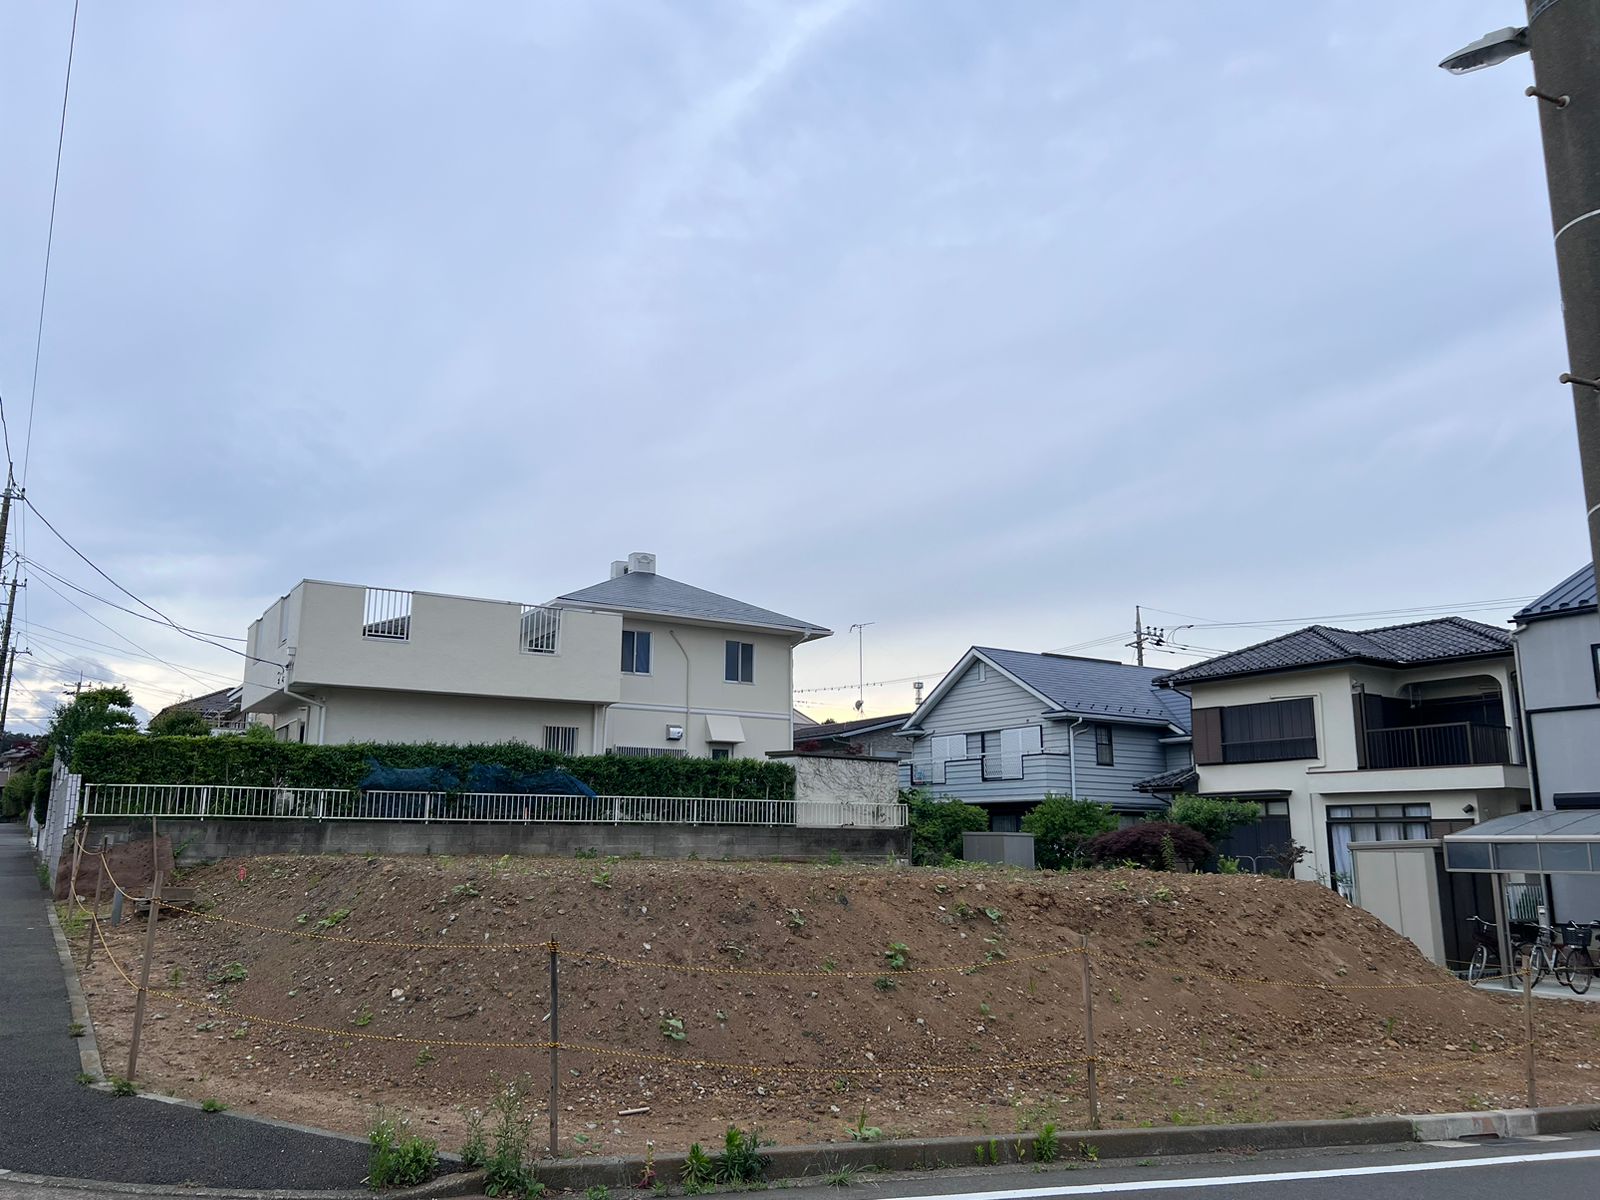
[942, 750]
[739, 662]
[635, 652]
[540, 629]
[561, 739]
[1003, 751]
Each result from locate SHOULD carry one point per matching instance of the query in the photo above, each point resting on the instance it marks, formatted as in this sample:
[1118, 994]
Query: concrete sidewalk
[50, 1125]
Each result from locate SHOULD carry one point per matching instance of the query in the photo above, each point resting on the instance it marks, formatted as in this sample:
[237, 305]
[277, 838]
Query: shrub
[506, 1169]
[1158, 845]
[396, 1160]
[1213, 819]
[180, 722]
[1046, 1146]
[937, 823]
[18, 795]
[247, 762]
[741, 1161]
[1061, 826]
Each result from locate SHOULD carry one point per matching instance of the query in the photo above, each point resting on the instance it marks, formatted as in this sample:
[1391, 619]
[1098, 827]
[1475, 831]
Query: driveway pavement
[49, 1125]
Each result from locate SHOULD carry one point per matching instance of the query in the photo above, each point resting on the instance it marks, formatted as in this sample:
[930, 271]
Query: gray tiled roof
[222, 703]
[839, 729]
[645, 593]
[1575, 593]
[1094, 686]
[1177, 780]
[1321, 645]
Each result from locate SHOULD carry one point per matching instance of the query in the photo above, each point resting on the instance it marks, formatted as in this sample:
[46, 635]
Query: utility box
[1012, 849]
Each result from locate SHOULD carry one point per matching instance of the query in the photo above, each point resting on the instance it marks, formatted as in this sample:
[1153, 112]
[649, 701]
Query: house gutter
[1072, 754]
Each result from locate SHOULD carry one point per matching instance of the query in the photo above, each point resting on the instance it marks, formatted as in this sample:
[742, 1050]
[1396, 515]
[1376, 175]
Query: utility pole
[5, 697]
[1564, 42]
[1563, 39]
[6, 655]
[1138, 634]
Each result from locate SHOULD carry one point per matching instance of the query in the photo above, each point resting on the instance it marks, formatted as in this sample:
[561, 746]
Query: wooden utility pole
[555, 1051]
[6, 655]
[11, 669]
[1138, 635]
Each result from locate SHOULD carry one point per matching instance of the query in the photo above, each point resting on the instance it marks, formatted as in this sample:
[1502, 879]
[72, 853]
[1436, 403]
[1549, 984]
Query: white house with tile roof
[1400, 733]
[636, 664]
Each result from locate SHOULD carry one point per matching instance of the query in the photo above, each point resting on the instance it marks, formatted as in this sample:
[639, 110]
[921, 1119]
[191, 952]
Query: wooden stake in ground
[94, 923]
[144, 974]
[1527, 1021]
[1088, 1039]
[555, 1052]
[77, 854]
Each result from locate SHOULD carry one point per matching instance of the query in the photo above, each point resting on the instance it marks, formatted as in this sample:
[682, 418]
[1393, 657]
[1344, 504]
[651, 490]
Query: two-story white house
[1390, 734]
[636, 664]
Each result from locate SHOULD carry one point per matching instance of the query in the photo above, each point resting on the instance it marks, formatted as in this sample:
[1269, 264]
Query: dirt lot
[968, 1036]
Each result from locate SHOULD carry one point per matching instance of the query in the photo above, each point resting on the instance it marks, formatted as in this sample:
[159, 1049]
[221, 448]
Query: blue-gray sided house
[1006, 727]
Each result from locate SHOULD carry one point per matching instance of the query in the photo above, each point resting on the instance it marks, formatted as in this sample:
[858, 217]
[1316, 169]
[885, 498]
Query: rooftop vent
[640, 563]
[619, 568]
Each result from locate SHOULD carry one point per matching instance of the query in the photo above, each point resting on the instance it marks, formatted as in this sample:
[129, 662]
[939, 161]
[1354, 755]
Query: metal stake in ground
[555, 1049]
[144, 975]
[1527, 1020]
[1088, 1039]
[77, 856]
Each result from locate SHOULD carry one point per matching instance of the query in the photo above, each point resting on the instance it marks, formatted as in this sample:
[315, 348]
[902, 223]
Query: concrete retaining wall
[238, 837]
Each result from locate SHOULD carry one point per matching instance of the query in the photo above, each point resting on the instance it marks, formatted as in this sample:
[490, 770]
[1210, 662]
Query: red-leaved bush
[1159, 845]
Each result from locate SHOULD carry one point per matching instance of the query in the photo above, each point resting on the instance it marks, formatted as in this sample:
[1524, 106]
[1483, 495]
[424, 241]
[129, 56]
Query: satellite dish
[858, 706]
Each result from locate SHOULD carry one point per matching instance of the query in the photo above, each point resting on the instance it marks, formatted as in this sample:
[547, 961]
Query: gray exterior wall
[1556, 671]
[991, 702]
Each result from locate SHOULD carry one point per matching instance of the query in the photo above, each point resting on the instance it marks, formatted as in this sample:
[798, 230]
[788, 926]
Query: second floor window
[1104, 751]
[739, 662]
[635, 652]
[1273, 731]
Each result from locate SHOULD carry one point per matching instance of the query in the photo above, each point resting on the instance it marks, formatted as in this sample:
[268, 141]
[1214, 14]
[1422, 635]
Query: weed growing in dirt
[590, 852]
[601, 878]
[475, 1150]
[233, 972]
[175, 977]
[85, 1079]
[337, 917]
[465, 889]
[1046, 1146]
[239, 1034]
[672, 1027]
[425, 1056]
[835, 859]
[72, 920]
[829, 964]
[212, 1106]
[43, 872]
[598, 1192]
[75, 1029]
[398, 1160]
[884, 984]
[861, 1131]
[898, 956]
[121, 1086]
[506, 1171]
[797, 919]
[699, 1172]
[365, 1018]
[840, 1177]
[1089, 1152]
[741, 1162]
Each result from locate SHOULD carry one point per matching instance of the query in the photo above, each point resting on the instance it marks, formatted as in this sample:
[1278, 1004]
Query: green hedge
[245, 762]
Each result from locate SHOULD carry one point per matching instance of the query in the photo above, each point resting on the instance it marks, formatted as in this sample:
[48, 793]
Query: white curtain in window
[1341, 837]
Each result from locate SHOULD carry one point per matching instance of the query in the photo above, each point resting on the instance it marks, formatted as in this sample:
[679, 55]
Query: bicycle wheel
[1563, 966]
[1479, 964]
[1580, 970]
[1528, 959]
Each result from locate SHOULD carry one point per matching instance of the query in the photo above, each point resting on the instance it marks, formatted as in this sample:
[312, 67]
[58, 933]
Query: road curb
[435, 1189]
[88, 1047]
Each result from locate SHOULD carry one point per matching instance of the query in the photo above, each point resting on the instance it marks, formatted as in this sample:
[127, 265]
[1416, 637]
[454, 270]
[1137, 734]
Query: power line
[72, 641]
[49, 244]
[121, 635]
[83, 591]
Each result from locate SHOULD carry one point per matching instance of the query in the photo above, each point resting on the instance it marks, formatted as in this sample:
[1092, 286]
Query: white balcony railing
[225, 801]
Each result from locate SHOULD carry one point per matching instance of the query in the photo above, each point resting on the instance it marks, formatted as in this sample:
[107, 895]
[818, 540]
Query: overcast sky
[983, 320]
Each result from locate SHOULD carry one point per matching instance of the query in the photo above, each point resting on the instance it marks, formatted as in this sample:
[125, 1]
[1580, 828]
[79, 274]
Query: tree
[1061, 825]
[179, 722]
[1158, 845]
[1213, 819]
[98, 710]
[937, 824]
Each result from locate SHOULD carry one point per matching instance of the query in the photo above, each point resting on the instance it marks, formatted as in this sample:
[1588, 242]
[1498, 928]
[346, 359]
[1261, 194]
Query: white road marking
[1543, 1137]
[1170, 1185]
[1454, 1145]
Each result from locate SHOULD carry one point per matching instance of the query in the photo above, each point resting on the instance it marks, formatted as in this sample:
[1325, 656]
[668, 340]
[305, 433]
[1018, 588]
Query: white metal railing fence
[541, 629]
[218, 801]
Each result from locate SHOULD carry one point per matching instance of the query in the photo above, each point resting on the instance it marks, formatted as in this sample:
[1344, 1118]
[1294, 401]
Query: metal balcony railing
[1458, 744]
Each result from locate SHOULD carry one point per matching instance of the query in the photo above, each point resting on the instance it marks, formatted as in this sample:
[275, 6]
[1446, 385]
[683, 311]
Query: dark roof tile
[646, 593]
[1093, 686]
[1575, 593]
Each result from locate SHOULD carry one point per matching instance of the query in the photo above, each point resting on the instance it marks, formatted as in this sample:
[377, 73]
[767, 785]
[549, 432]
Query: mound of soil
[936, 1002]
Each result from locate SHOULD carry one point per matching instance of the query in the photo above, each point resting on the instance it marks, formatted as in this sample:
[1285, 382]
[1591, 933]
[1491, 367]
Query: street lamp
[1562, 37]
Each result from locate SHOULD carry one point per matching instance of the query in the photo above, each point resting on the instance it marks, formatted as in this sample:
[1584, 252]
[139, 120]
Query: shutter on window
[1011, 753]
[1207, 728]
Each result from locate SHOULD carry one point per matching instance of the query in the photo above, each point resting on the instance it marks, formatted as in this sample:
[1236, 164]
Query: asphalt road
[49, 1125]
[1492, 1170]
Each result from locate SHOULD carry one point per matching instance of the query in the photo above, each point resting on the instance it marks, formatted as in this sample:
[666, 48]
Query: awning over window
[724, 729]
[1544, 843]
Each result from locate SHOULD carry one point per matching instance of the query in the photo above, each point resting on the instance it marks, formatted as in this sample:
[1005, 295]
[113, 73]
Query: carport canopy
[1541, 843]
